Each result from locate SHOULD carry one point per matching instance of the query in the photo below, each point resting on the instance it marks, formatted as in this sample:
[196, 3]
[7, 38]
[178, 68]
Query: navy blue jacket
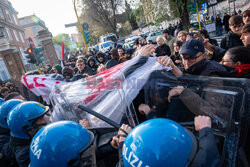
[211, 68]
[21, 149]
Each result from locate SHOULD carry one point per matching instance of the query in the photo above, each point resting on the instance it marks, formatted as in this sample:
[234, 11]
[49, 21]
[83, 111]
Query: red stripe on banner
[102, 81]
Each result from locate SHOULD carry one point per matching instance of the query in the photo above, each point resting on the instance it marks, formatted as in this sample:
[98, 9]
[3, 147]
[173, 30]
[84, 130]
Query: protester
[71, 66]
[122, 57]
[238, 57]
[115, 58]
[92, 64]
[67, 72]
[82, 68]
[169, 39]
[11, 87]
[233, 37]
[182, 35]
[4, 91]
[171, 30]
[129, 53]
[218, 25]
[226, 22]
[194, 62]
[101, 58]
[206, 35]
[245, 37]
[57, 69]
[176, 54]
[246, 16]
[162, 49]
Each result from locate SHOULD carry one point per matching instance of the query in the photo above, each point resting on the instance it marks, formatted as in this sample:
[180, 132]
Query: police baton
[100, 116]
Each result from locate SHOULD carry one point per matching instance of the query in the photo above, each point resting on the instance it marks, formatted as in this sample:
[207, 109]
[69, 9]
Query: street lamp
[1, 31]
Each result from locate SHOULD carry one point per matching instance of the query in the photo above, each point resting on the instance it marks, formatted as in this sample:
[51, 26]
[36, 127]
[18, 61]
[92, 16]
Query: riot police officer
[63, 143]
[7, 154]
[24, 121]
[163, 142]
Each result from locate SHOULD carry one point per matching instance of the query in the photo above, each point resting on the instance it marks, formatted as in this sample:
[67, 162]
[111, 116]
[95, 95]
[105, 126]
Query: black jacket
[7, 157]
[94, 67]
[111, 63]
[174, 57]
[21, 149]
[218, 22]
[163, 50]
[225, 20]
[208, 154]
[231, 40]
[213, 42]
[211, 68]
[86, 70]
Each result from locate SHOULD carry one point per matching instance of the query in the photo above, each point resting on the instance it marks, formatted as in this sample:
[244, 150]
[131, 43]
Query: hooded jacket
[86, 70]
[58, 68]
[68, 71]
[104, 59]
[94, 67]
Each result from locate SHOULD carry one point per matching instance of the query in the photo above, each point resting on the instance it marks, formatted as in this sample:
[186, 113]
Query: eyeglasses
[190, 58]
[226, 61]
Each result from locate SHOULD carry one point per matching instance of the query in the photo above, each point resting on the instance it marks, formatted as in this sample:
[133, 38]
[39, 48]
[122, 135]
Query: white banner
[41, 85]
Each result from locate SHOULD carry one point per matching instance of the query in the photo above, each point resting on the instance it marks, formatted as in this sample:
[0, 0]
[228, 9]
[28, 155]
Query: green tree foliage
[101, 13]
[169, 9]
[62, 38]
[138, 13]
[130, 16]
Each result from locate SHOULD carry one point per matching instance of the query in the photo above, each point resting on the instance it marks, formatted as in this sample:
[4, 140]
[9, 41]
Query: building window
[16, 36]
[21, 35]
[4, 74]
[25, 21]
[1, 13]
[38, 41]
[9, 34]
[34, 30]
[8, 15]
[15, 19]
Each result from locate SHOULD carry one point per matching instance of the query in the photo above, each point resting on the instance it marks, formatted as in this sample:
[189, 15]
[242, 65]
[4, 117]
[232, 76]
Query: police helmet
[59, 144]
[20, 120]
[158, 142]
[5, 108]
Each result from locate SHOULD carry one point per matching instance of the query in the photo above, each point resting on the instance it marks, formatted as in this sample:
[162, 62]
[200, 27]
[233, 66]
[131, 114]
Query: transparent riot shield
[225, 100]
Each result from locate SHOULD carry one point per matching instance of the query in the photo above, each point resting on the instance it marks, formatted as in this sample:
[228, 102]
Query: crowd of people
[29, 137]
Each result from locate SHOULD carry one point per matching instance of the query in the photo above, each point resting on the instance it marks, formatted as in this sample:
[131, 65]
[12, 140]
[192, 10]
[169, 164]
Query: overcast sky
[55, 13]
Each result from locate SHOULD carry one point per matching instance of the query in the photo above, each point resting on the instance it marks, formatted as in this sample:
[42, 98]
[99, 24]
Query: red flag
[62, 51]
